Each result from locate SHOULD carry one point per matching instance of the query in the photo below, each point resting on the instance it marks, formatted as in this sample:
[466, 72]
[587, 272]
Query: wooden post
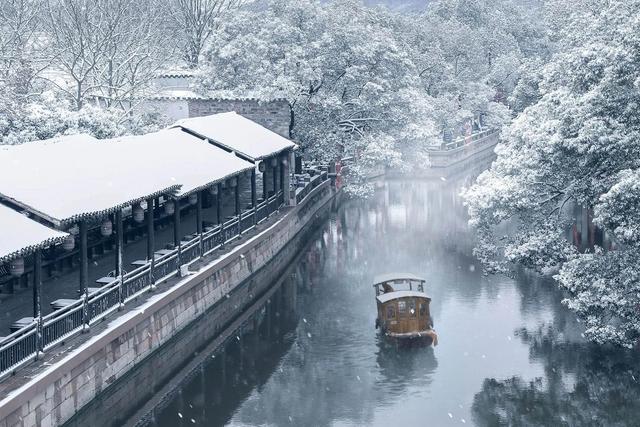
[199, 219]
[254, 204]
[237, 205]
[84, 274]
[37, 282]
[151, 241]
[264, 181]
[177, 234]
[120, 256]
[219, 211]
[275, 181]
[37, 298]
[281, 165]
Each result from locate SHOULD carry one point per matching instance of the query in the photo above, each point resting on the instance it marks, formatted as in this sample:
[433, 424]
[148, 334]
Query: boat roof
[388, 296]
[388, 277]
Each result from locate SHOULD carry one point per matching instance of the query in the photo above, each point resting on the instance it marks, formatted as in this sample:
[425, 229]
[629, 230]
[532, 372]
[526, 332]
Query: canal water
[509, 353]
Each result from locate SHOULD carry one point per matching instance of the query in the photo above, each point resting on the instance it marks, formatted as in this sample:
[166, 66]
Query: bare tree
[19, 24]
[196, 21]
[77, 43]
[136, 46]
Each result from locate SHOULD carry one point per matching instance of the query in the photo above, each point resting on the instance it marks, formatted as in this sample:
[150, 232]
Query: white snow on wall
[20, 234]
[237, 133]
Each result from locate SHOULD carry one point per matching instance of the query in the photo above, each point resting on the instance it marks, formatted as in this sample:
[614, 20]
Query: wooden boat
[403, 308]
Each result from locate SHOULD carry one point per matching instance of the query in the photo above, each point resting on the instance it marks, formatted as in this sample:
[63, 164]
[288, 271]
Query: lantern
[233, 182]
[285, 161]
[16, 268]
[169, 207]
[74, 231]
[262, 167]
[213, 190]
[106, 228]
[274, 162]
[69, 243]
[193, 198]
[138, 214]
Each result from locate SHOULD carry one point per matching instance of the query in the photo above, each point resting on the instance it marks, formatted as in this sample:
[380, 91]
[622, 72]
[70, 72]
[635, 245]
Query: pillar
[199, 219]
[120, 253]
[264, 181]
[219, 211]
[177, 231]
[287, 178]
[177, 237]
[151, 240]
[37, 283]
[238, 209]
[84, 258]
[275, 175]
[282, 163]
[254, 203]
[37, 298]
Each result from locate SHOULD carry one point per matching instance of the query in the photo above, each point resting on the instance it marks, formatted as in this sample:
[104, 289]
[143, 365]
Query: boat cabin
[403, 306]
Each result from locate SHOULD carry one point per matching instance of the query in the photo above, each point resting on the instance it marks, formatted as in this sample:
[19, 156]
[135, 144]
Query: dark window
[412, 308]
[391, 312]
[402, 308]
[423, 309]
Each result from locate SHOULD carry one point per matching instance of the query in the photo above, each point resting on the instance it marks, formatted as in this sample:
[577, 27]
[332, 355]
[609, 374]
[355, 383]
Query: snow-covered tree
[349, 80]
[579, 144]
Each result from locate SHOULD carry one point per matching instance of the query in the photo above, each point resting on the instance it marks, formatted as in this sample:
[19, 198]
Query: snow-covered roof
[20, 235]
[68, 178]
[382, 278]
[237, 133]
[400, 294]
[186, 159]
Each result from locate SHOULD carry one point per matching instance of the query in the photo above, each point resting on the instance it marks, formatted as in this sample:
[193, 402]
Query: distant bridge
[468, 155]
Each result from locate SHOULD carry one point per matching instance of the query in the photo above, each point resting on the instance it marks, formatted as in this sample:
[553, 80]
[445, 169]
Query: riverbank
[53, 390]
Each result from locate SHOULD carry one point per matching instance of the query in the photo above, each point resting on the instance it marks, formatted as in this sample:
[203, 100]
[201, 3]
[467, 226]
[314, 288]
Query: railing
[19, 347]
[24, 344]
[445, 157]
[460, 142]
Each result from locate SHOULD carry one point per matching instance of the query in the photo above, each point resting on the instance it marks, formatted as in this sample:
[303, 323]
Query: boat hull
[428, 337]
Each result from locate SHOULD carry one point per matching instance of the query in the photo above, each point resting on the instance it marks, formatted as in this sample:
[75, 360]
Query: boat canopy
[392, 277]
[388, 296]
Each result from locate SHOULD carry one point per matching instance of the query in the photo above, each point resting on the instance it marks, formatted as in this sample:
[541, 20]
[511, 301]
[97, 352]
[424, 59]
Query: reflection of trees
[583, 385]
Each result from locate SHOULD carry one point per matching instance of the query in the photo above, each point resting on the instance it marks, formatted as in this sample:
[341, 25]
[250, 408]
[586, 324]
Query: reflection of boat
[403, 308]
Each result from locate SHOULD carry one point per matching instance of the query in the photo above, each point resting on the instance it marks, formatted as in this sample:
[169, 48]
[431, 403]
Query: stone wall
[62, 390]
[274, 115]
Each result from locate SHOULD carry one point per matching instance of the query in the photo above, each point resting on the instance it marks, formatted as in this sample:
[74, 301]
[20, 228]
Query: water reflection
[509, 352]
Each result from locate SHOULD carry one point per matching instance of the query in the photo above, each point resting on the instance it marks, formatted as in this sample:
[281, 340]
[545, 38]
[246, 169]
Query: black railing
[24, 344]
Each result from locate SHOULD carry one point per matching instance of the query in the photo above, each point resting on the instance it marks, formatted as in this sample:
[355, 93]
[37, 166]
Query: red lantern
[169, 207]
[69, 243]
[16, 268]
[106, 228]
[138, 214]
